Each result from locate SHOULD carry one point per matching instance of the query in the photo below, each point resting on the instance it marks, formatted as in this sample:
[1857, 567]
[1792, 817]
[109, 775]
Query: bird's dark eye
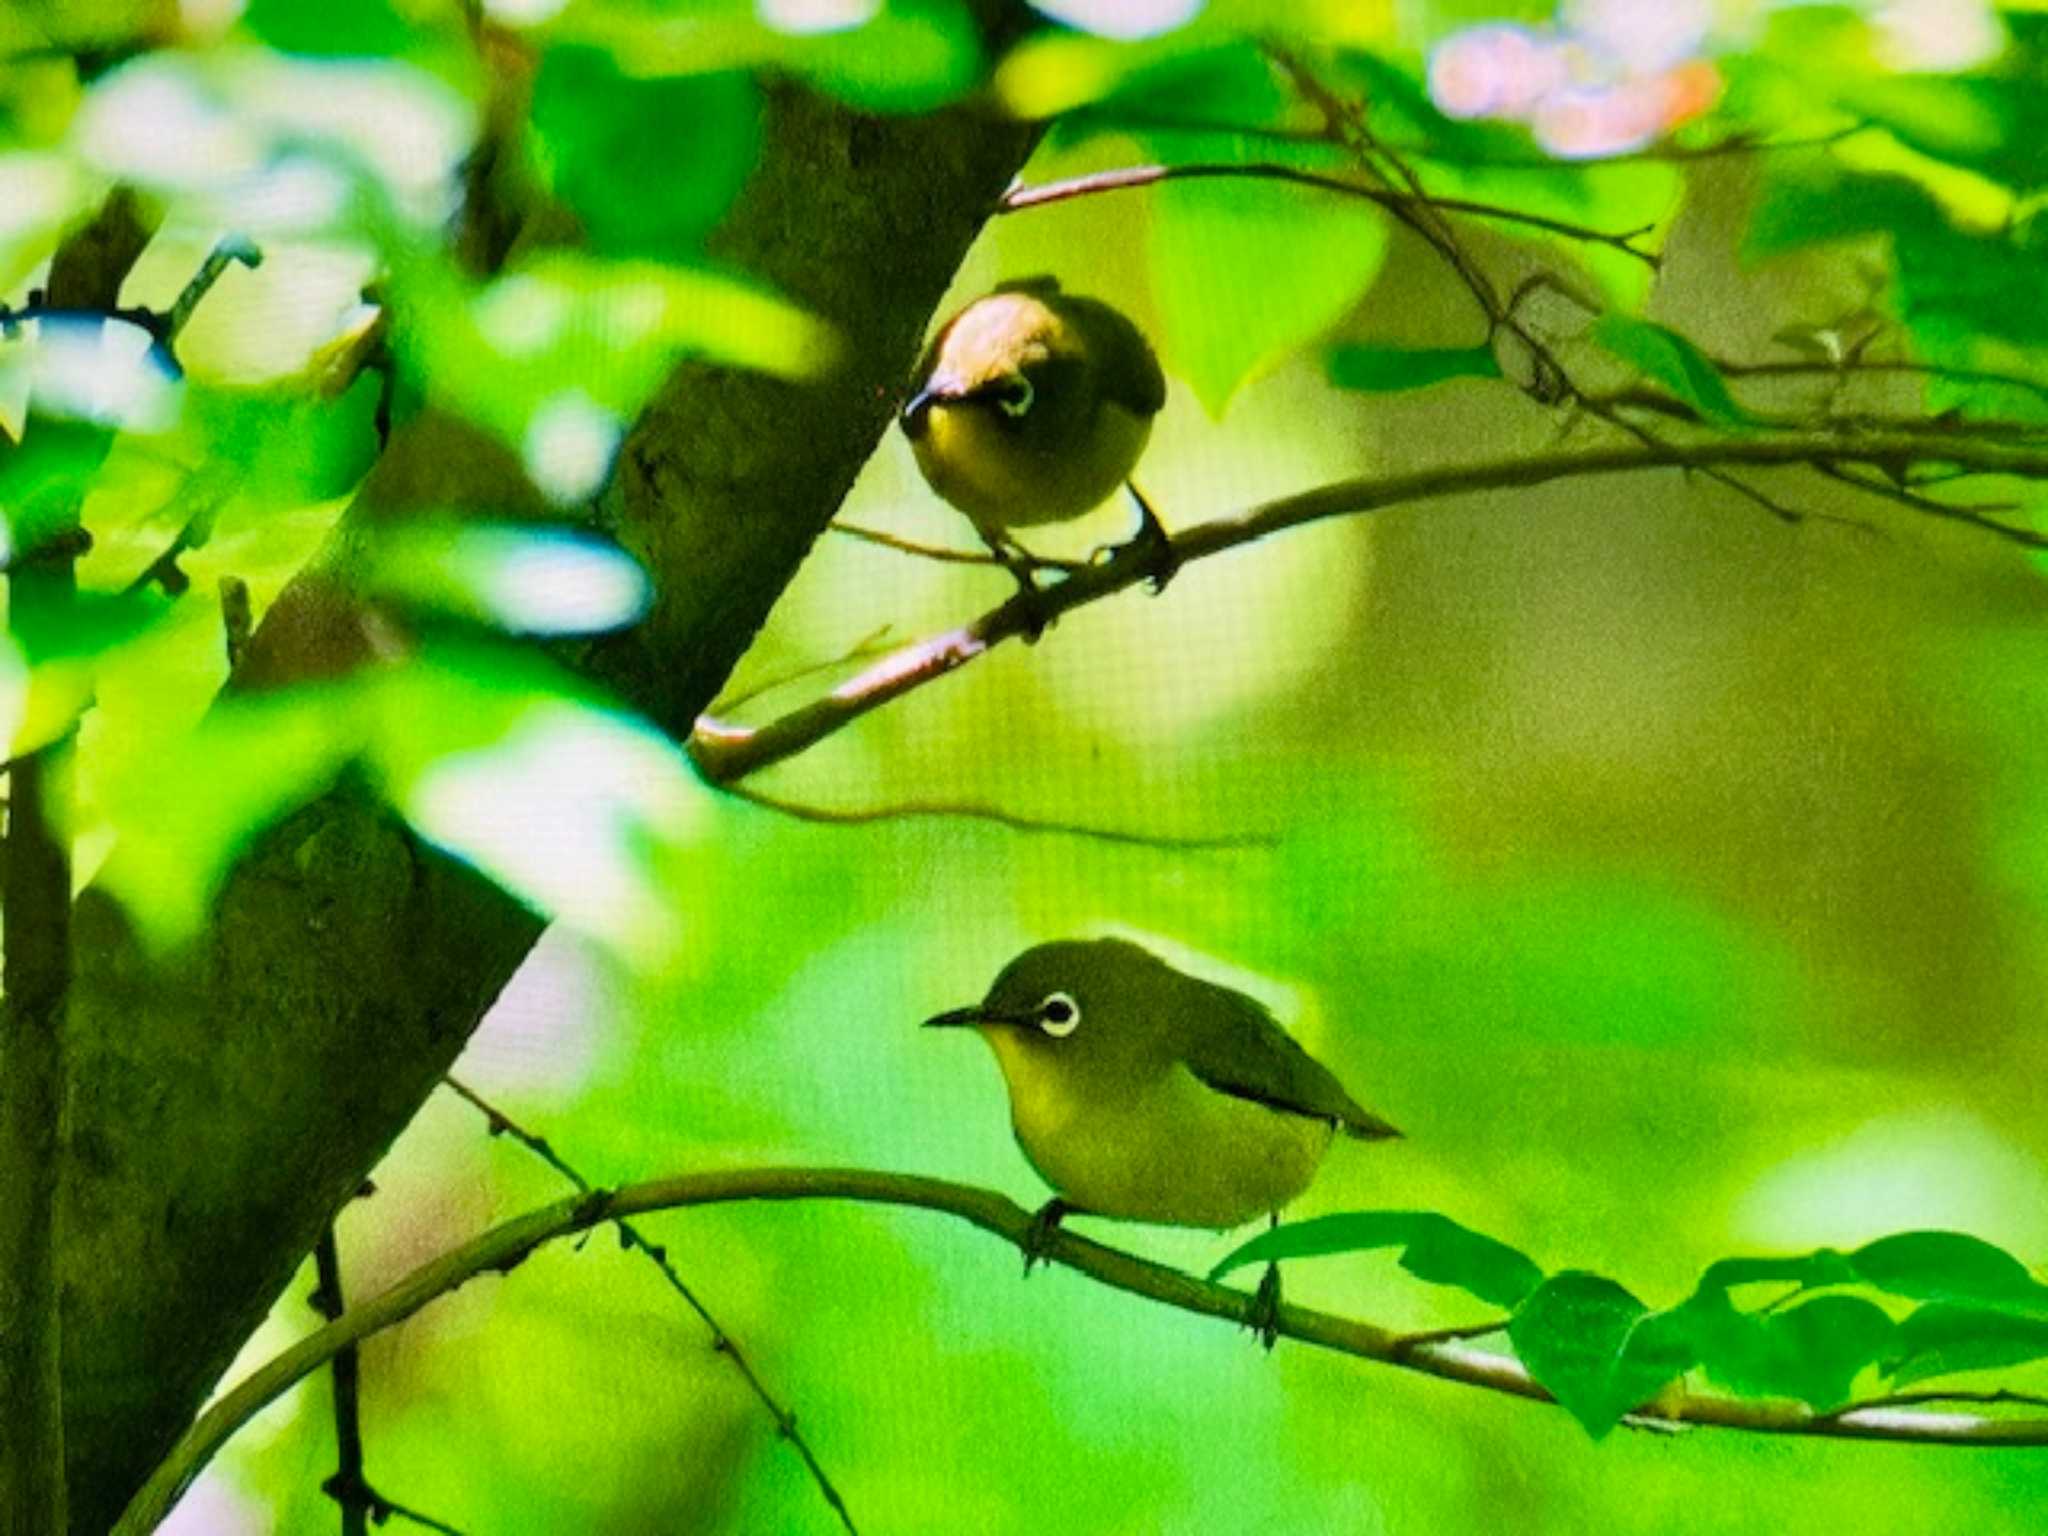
[1059, 1015]
[1016, 395]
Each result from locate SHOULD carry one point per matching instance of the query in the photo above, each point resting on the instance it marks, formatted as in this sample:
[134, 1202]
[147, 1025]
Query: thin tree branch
[349, 1488]
[1734, 144]
[630, 1236]
[507, 1245]
[726, 752]
[874, 643]
[1017, 199]
[908, 810]
[1805, 366]
[942, 554]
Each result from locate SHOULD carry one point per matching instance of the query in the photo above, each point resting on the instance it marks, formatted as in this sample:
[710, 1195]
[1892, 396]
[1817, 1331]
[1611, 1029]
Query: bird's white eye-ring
[1059, 1015]
[1016, 396]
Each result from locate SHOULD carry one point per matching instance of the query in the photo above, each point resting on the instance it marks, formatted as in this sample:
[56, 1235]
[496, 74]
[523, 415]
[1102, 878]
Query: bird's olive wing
[1245, 1053]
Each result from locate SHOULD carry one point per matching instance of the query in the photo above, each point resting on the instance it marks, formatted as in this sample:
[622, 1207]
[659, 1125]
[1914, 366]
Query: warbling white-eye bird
[1141, 1092]
[1031, 406]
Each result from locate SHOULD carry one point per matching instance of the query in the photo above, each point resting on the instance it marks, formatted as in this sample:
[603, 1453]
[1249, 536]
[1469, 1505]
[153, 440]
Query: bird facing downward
[1032, 406]
[1141, 1092]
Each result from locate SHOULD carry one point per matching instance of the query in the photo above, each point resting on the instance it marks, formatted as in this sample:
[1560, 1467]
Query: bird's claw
[1263, 1316]
[1161, 560]
[1043, 1232]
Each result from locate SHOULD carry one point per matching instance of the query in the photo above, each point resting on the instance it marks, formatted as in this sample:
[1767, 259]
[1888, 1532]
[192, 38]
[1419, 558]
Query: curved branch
[1017, 199]
[507, 1245]
[725, 752]
[967, 810]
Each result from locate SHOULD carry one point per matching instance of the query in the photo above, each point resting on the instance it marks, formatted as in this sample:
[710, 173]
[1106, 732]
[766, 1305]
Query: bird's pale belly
[1002, 481]
[1178, 1153]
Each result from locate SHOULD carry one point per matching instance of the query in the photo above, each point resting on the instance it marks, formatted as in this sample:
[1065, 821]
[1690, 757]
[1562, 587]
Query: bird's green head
[1079, 1004]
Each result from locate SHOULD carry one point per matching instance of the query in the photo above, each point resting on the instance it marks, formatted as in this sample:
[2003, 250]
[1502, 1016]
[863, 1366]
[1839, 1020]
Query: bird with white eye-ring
[1032, 406]
[1143, 1093]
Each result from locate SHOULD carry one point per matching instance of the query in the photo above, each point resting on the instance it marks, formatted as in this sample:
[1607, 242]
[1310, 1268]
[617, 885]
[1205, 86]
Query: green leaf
[1434, 1248]
[360, 27]
[1595, 1348]
[1944, 1337]
[524, 580]
[648, 164]
[914, 56]
[1664, 356]
[185, 810]
[1951, 1266]
[1314, 253]
[1383, 370]
[1824, 1266]
[1810, 1352]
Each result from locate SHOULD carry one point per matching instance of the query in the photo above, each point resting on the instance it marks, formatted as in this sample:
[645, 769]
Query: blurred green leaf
[1433, 1248]
[1953, 284]
[1595, 1348]
[1661, 354]
[566, 803]
[535, 581]
[1315, 252]
[186, 810]
[1942, 1338]
[564, 335]
[914, 56]
[364, 27]
[88, 625]
[1389, 369]
[650, 165]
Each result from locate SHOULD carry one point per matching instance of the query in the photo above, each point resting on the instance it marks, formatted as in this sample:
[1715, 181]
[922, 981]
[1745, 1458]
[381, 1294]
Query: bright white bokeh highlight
[1125, 20]
[570, 443]
[807, 17]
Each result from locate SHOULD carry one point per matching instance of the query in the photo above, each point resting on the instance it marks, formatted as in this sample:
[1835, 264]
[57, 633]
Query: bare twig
[1734, 144]
[942, 554]
[1734, 368]
[963, 810]
[362, 1506]
[504, 1247]
[725, 752]
[1017, 199]
[348, 1487]
[1976, 516]
[631, 1237]
[874, 643]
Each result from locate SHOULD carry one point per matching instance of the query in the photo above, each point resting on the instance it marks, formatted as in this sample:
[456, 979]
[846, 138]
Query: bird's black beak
[976, 1014]
[916, 411]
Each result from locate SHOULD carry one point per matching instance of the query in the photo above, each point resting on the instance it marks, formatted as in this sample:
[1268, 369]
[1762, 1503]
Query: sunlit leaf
[1595, 1348]
[1316, 252]
[1388, 369]
[566, 804]
[1661, 354]
[567, 328]
[194, 803]
[1433, 1248]
[542, 581]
